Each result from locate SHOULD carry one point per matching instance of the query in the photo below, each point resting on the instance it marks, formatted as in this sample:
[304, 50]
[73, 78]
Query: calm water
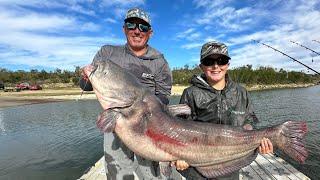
[60, 140]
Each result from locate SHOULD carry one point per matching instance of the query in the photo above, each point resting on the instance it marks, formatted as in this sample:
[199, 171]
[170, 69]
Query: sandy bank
[8, 99]
[277, 86]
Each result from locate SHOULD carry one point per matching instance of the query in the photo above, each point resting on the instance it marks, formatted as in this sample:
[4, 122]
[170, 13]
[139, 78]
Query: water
[49, 141]
[276, 106]
[60, 140]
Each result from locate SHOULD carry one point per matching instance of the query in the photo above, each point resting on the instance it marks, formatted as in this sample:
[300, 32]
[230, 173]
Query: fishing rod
[316, 41]
[305, 47]
[287, 56]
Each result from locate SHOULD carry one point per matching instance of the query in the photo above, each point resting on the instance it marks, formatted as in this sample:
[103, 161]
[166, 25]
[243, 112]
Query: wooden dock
[267, 167]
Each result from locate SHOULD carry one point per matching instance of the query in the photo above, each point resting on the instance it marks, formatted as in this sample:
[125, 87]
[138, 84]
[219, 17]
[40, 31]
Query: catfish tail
[291, 140]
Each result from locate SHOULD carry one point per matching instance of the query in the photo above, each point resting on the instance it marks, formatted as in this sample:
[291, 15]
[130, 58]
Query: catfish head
[114, 86]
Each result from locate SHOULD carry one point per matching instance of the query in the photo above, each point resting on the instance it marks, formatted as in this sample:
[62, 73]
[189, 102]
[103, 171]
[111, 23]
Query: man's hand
[180, 165]
[84, 76]
[265, 146]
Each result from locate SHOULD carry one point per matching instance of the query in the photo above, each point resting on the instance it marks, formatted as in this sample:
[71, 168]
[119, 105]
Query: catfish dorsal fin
[228, 167]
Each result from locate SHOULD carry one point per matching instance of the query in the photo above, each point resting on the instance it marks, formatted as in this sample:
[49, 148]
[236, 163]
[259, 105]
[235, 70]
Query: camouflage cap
[138, 13]
[214, 48]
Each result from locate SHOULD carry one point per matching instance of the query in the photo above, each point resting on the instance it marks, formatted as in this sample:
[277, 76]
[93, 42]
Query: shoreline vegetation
[9, 99]
[62, 85]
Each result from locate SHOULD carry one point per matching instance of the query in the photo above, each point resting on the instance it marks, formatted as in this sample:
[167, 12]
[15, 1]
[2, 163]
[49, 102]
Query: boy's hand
[265, 146]
[247, 127]
[180, 165]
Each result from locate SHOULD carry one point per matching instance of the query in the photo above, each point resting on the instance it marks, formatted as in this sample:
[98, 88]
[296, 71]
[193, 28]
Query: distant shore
[9, 99]
[178, 89]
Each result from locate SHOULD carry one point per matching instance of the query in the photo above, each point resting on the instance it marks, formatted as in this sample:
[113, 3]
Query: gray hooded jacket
[151, 69]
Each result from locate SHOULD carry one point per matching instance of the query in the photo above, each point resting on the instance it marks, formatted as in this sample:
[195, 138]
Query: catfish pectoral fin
[106, 121]
[227, 167]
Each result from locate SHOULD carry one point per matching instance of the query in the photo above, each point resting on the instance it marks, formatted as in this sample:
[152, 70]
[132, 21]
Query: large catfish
[145, 125]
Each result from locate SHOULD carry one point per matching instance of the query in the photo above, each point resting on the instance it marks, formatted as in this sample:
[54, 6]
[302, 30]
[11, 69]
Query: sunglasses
[141, 27]
[219, 61]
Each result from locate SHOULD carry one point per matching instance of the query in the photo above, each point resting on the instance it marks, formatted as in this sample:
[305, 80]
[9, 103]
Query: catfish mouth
[89, 70]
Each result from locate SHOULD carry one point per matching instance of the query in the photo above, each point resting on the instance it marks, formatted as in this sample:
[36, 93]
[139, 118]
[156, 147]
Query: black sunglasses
[211, 61]
[141, 27]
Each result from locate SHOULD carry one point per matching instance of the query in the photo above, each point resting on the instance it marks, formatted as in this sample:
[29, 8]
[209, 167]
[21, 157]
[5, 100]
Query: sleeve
[163, 83]
[250, 116]
[187, 98]
[85, 84]
[163, 98]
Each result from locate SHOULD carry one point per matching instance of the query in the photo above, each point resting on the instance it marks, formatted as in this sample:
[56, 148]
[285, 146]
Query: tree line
[35, 76]
[249, 76]
[245, 75]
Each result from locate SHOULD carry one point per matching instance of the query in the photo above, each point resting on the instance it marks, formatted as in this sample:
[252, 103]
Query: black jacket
[230, 106]
[151, 69]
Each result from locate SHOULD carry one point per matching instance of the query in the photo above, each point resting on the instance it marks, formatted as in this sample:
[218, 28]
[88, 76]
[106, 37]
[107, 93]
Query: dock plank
[294, 174]
[265, 167]
[96, 172]
[249, 173]
[260, 171]
[277, 173]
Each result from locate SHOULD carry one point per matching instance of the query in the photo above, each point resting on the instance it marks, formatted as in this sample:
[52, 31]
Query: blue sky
[41, 34]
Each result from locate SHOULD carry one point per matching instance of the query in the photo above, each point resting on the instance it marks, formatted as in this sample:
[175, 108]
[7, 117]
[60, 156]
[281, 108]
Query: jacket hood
[150, 55]
[200, 81]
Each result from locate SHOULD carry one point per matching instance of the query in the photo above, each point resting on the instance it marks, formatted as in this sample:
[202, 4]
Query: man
[152, 70]
[215, 98]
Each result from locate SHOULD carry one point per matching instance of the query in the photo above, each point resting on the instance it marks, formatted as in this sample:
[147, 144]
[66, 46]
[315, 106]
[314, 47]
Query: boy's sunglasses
[219, 61]
[141, 27]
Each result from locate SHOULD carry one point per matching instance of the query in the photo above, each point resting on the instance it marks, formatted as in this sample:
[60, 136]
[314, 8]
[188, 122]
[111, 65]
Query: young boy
[213, 97]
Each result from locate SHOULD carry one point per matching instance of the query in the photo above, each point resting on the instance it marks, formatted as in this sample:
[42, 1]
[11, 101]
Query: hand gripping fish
[147, 127]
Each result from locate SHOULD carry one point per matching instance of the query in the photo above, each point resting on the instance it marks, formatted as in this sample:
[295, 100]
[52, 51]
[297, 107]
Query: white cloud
[189, 34]
[59, 52]
[24, 22]
[220, 13]
[90, 27]
[55, 39]
[60, 32]
[185, 33]
[110, 20]
[294, 20]
[73, 6]
[191, 45]
[210, 3]
[120, 7]
[123, 3]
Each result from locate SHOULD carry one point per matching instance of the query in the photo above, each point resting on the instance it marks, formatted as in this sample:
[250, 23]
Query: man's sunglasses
[219, 61]
[141, 27]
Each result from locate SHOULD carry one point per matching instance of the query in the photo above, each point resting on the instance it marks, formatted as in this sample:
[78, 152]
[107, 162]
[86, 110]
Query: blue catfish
[147, 127]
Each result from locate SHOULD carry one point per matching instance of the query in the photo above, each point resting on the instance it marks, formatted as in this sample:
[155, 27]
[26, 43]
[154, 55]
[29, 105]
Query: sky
[51, 34]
